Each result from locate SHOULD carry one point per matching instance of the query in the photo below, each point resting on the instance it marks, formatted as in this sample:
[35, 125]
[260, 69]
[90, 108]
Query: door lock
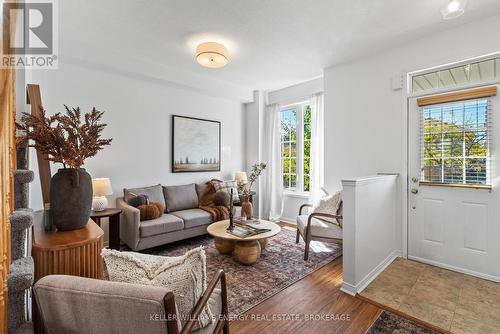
[414, 179]
[414, 191]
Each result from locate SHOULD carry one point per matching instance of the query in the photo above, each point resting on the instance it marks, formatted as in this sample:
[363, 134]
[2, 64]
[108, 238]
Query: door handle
[414, 191]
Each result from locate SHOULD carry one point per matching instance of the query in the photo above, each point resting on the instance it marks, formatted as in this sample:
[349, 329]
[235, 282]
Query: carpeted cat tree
[21, 275]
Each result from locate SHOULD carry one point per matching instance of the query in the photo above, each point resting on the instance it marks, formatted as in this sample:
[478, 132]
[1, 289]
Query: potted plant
[245, 189]
[69, 140]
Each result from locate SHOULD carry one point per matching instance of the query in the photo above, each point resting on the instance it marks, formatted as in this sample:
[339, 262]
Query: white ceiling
[272, 43]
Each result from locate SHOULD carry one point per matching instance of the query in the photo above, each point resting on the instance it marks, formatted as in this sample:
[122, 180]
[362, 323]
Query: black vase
[70, 198]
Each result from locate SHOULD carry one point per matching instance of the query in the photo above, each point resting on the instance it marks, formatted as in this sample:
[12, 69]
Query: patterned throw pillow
[226, 186]
[331, 205]
[184, 275]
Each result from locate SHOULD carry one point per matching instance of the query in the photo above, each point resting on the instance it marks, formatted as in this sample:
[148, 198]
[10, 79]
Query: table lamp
[101, 188]
[241, 177]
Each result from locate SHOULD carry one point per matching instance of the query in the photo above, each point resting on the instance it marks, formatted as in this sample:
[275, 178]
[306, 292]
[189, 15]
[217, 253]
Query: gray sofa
[182, 218]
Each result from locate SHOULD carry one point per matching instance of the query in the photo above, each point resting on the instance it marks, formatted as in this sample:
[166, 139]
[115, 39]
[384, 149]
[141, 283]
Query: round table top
[218, 230]
[63, 239]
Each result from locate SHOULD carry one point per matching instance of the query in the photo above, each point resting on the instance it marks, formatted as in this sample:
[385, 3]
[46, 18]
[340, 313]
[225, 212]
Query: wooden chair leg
[306, 251]
[297, 239]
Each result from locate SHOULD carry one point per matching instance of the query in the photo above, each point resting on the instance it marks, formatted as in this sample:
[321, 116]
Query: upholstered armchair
[318, 226]
[71, 304]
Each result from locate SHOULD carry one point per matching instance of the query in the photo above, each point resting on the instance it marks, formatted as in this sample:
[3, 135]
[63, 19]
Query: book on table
[245, 231]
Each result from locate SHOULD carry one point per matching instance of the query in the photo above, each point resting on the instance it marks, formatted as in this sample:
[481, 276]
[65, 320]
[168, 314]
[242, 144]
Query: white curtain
[272, 204]
[317, 148]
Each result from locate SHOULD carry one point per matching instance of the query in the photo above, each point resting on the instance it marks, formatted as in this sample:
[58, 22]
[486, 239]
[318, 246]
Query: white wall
[364, 116]
[138, 114]
[370, 240]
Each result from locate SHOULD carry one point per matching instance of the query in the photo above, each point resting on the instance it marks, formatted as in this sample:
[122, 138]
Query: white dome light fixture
[454, 9]
[211, 54]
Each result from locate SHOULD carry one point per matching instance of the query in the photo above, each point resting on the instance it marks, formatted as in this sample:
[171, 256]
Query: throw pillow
[154, 193]
[227, 186]
[331, 205]
[221, 198]
[138, 200]
[184, 275]
[150, 211]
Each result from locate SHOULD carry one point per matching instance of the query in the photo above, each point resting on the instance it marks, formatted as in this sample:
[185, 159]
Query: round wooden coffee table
[246, 250]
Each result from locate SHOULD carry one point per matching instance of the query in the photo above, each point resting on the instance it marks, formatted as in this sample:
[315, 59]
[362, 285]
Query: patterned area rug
[391, 323]
[281, 264]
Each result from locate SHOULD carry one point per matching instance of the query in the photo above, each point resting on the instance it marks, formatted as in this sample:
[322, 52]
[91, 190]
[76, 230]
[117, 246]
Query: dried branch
[64, 137]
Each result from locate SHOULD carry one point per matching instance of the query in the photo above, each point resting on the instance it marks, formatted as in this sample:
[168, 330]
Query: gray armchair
[314, 227]
[74, 305]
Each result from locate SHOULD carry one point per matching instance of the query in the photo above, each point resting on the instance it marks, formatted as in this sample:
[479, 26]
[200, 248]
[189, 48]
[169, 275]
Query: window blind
[455, 142]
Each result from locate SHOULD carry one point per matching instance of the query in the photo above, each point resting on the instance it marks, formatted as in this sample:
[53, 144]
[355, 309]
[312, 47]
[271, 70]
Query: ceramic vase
[246, 208]
[70, 198]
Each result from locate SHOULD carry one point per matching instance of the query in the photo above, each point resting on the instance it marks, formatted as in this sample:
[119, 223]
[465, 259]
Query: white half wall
[369, 229]
[138, 113]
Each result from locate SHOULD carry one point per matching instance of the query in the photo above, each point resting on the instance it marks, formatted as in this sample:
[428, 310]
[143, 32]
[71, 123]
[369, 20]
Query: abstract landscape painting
[196, 145]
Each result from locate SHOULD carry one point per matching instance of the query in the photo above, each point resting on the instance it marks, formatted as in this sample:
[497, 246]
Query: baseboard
[288, 220]
[354, 289]
[348, 288]
[377, 270]
[457, 269]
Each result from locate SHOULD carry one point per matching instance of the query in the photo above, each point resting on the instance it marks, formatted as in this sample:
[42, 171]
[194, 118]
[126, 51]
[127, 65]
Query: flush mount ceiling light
[454, 9]
[211, 54]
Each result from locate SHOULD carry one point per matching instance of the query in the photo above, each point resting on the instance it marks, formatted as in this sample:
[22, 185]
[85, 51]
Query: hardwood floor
[317, 295]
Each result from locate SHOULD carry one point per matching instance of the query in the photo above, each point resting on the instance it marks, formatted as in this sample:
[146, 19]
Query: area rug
[281, 264]
[390, 323]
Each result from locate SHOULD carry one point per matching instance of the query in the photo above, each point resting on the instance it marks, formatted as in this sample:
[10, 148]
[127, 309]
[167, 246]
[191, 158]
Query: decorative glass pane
[475, 171]
[475, 72]
[455, 142]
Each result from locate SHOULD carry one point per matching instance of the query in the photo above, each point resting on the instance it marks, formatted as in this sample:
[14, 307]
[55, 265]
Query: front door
[453, 178]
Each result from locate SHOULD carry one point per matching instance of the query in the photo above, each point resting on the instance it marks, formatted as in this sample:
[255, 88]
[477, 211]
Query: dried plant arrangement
[246, 189]
[65, 138]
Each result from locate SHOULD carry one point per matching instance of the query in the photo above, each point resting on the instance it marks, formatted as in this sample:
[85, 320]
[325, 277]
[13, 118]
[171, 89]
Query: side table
[75, 252]
[114, 224]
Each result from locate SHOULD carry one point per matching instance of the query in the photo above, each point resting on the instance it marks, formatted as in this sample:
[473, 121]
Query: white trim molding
[457, 269]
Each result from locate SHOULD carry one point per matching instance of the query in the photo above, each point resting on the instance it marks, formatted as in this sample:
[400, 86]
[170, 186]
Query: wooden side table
[75, 252]
[114, 224]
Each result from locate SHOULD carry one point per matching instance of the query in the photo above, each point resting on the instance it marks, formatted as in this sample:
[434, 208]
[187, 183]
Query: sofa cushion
[164, 224]
[154, 193]
[180, 197]
[194, 217]
[319, 228]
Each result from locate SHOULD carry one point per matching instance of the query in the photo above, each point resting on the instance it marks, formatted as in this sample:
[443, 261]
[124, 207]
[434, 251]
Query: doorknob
[414, 191]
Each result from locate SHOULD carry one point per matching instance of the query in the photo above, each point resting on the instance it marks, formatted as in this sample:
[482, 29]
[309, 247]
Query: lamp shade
[211, 54]
[240, 177]
[102, 187]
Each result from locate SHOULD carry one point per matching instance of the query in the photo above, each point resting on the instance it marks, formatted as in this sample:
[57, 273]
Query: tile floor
[452, 301]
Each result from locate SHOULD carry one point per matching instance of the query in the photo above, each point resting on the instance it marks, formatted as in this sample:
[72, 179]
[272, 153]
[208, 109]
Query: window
[455, 142]
[296, 146]
[473, 72]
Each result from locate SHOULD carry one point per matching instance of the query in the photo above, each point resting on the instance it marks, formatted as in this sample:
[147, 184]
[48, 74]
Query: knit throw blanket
[218, 212]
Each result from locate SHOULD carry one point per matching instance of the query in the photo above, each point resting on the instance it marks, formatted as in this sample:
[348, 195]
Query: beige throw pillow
[331, 205]
[184, 275]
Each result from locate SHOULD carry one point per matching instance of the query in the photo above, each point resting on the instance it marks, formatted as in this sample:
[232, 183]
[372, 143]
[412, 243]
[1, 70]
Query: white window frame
[299, 185]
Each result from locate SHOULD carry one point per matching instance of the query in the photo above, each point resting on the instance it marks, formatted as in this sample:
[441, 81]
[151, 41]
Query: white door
[455, 227]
